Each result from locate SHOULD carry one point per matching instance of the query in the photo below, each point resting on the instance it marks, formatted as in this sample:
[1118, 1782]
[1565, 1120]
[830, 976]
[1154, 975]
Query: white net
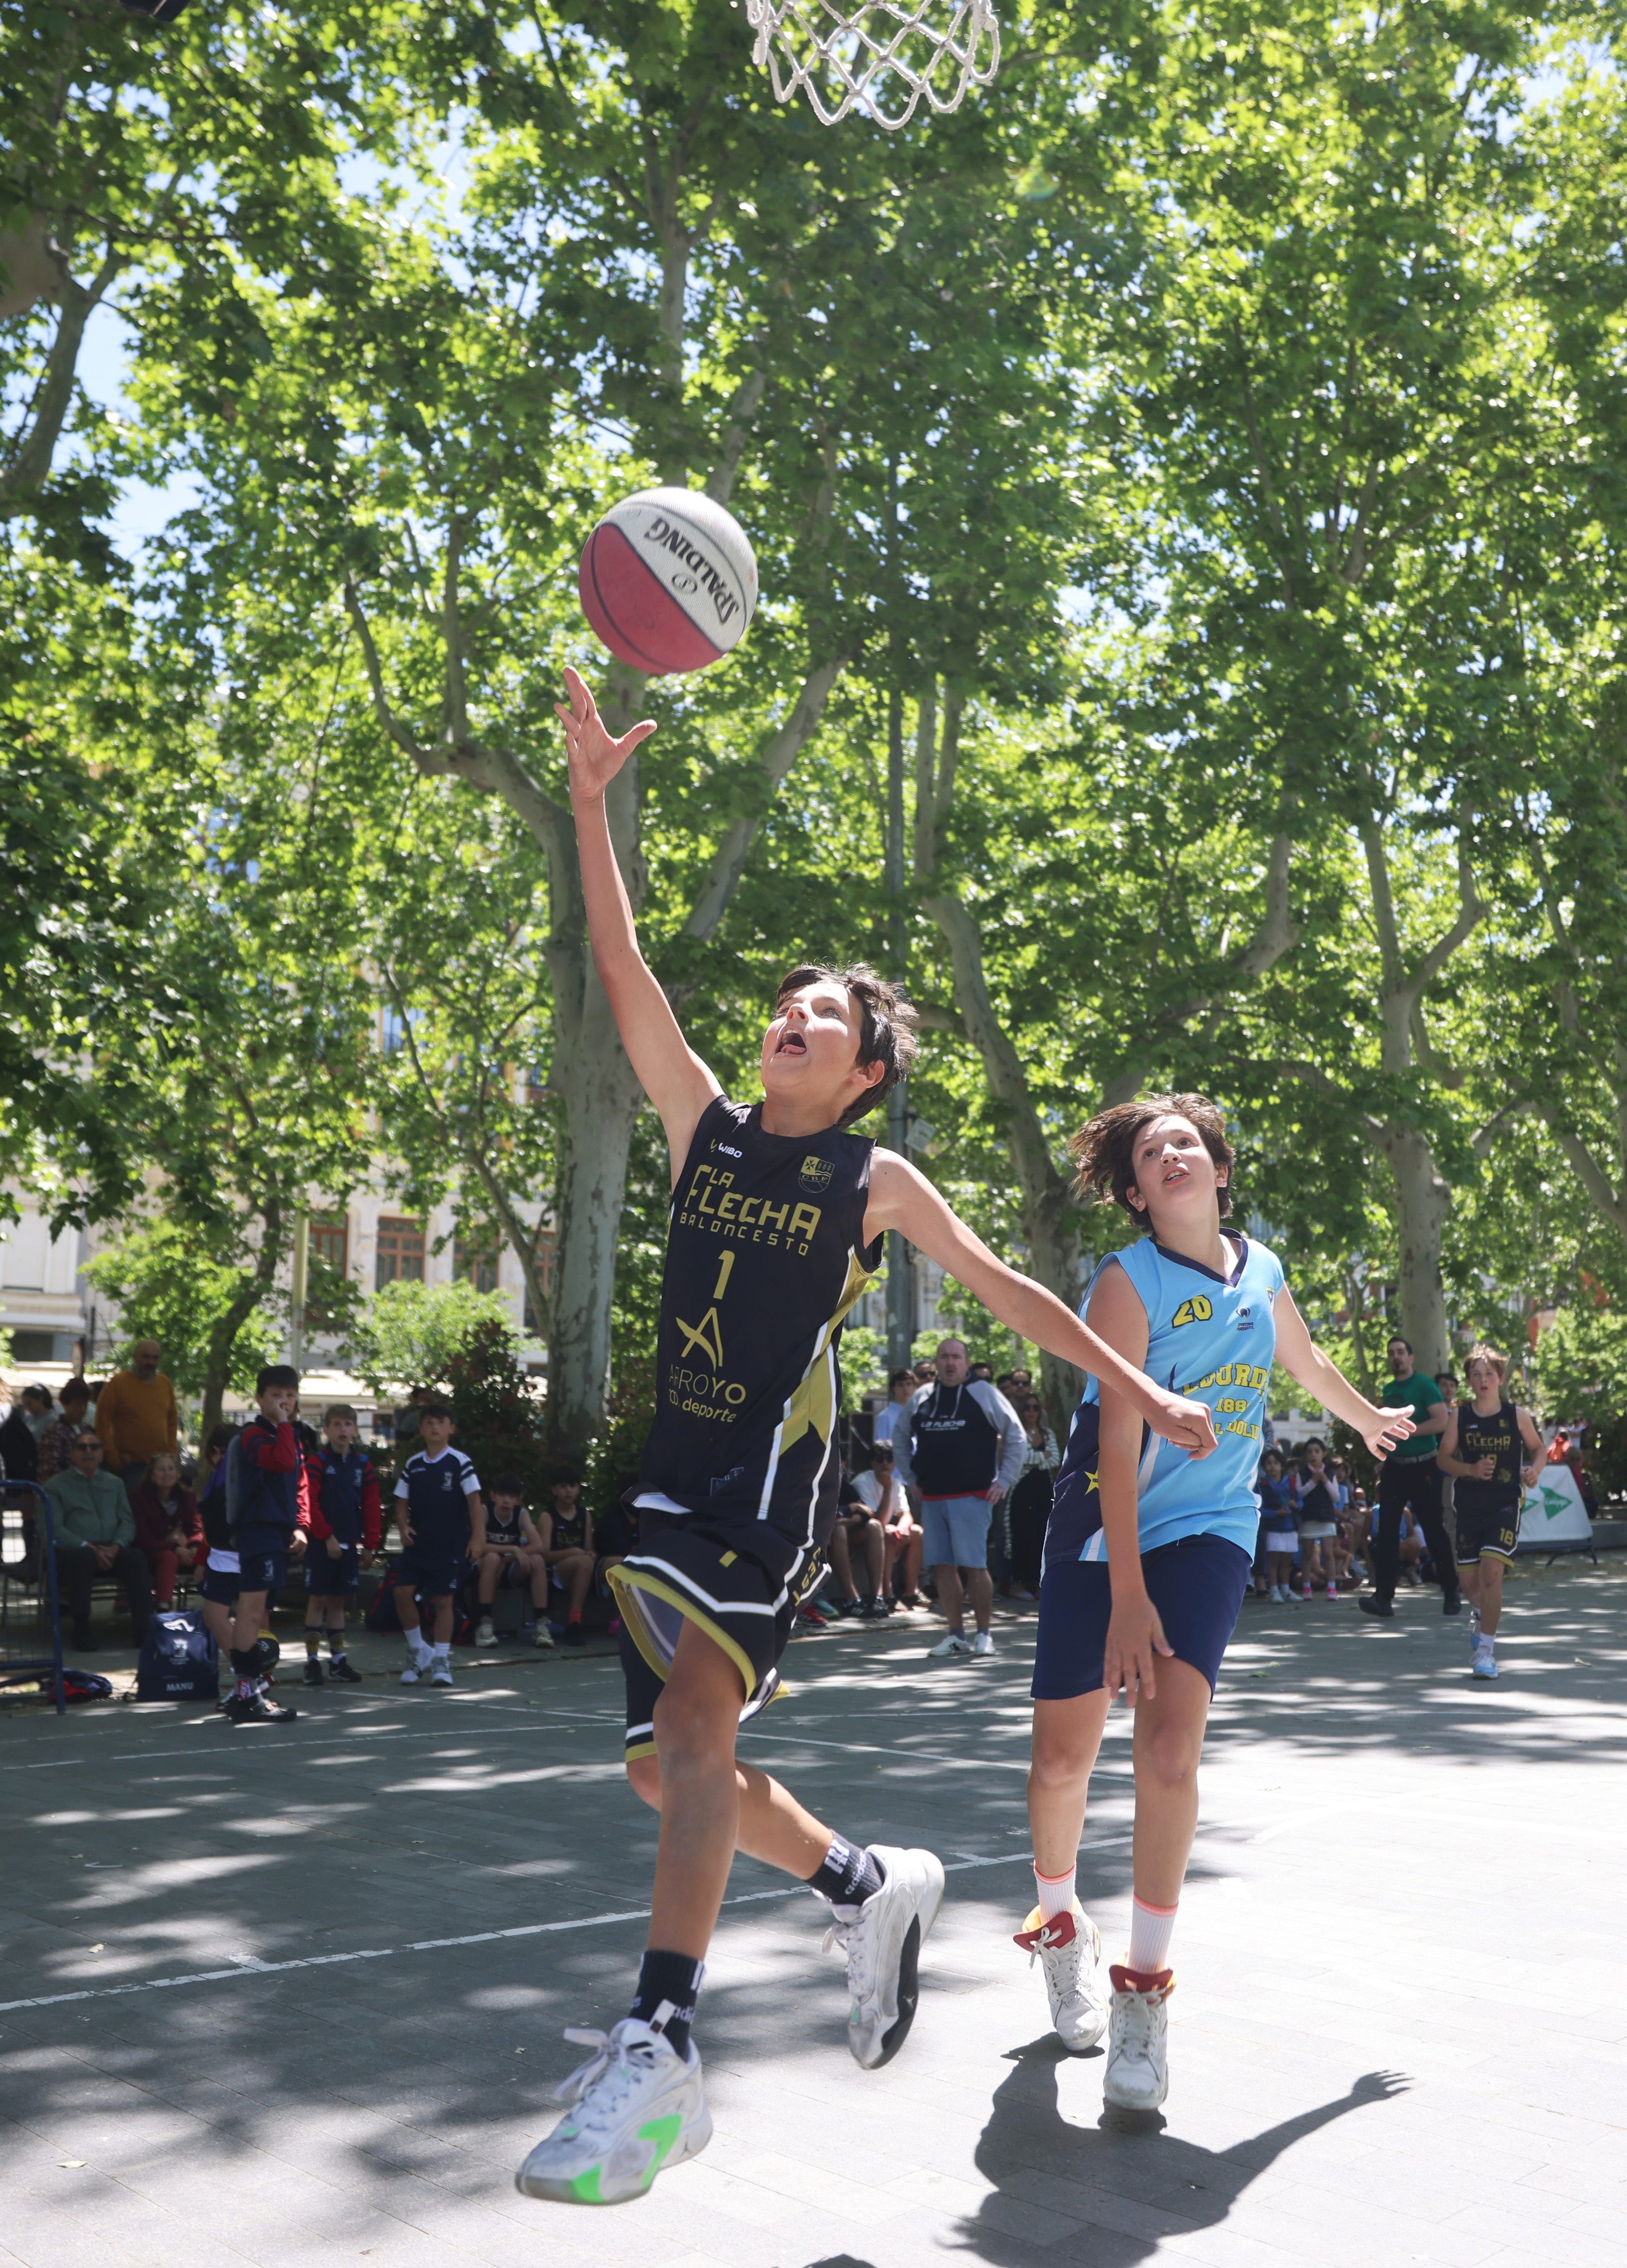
[886, 56]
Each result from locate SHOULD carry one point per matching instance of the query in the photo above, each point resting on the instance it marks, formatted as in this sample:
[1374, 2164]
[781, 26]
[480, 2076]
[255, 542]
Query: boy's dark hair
[900, 1378]
[1104, 1149]
[887, 1031]
[435, 1405]
[277, 1373]
[566, 1477]
[508, 1484]
[221, 1437]
[340, 1410]
[1272, 1452]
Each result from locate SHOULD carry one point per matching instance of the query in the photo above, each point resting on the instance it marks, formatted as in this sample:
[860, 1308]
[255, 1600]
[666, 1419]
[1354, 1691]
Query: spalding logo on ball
[668, 581]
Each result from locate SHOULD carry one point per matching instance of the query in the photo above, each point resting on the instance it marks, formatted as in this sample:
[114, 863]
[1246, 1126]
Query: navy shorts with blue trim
[327, 1578]
[262, 1556]
[432, 1573]
[1195, 1583]
[220, 1585]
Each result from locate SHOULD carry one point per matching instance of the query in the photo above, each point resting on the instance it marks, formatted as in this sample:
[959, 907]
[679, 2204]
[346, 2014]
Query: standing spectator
[512, 1554]
[168, 1527]
[341, 1497]
[1277, 1519]
[982, 1371]
[441, 1521]
[1027, 1508]
[19, 1436]
[1317, 1500]
[217, 1593]
[136, 1417]
[901, 1386]
[1411, 1482]
[96, 1535]
[881, 1493]
[962, 1446]
[269, 1519]
[55, 1445]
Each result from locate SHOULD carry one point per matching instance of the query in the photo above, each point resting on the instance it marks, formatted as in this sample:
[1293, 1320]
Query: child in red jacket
[341, 1495]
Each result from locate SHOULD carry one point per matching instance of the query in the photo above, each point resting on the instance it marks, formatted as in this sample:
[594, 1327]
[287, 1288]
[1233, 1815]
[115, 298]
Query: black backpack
[178, 1660]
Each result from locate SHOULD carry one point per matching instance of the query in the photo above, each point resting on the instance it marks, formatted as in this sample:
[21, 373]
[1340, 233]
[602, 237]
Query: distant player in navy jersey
[347, 1519]
[440, 1520]
[777, 1218]
[1148, 1553]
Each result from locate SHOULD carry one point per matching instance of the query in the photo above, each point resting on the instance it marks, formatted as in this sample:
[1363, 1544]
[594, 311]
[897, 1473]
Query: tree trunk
[1423, 1202]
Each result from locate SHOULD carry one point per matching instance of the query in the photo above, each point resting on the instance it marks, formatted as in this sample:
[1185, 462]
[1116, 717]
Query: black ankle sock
[669, 1984]
[848, 1874]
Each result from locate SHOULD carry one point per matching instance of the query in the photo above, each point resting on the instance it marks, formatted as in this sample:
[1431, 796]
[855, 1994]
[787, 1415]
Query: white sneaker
[635, 2107]
[1138, 2072]
[1484, 1664]
[882, 1940]
[485, 1635]
[542, 1635]
[983, 1643]
[1275, 1594]
[440, 1670]
[416, 1669]
[957, 1642]
[1067, 1948]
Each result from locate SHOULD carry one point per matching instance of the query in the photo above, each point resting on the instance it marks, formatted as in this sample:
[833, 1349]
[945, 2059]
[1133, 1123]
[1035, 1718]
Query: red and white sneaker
[1138, 2072]
[1067, 1948]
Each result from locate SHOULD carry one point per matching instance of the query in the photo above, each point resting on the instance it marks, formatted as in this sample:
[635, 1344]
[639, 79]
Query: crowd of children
[272, 1497]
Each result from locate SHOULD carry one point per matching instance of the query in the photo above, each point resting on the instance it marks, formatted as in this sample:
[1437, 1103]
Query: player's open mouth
[794, 1043]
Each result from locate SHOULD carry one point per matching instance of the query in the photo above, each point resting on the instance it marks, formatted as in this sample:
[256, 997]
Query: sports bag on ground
[178, 1660]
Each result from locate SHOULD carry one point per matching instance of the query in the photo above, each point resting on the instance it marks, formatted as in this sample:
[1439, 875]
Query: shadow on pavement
[1128, 2180]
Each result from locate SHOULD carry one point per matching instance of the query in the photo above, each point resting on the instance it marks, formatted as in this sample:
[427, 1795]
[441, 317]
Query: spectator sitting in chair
[96, 1535]
[136, 1417]
[169, 1529]
[857, 1534]
[882, 1493]
[512, 1554]
[567, 1542]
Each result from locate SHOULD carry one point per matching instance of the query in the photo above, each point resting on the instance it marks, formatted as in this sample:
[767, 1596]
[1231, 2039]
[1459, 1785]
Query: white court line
[251, 1967]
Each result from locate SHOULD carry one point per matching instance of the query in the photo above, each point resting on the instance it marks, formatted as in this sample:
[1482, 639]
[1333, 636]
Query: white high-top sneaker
[1067, 1948]
[633, 2109]
[1138, 2072]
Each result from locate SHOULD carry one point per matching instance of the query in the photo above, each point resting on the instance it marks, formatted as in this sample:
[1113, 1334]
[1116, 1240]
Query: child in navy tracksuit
[342, 1491]
[268, 1517]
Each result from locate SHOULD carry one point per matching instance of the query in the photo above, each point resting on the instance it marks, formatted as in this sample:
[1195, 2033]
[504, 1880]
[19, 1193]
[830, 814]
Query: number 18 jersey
[764, 1260]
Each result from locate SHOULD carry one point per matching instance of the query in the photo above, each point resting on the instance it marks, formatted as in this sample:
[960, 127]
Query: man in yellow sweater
[136, 1417]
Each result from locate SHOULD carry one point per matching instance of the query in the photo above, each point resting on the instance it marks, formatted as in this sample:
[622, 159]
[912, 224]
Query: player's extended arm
[670, 1072]
[901, 1197]
[1382, 1430]
[1531, 1470]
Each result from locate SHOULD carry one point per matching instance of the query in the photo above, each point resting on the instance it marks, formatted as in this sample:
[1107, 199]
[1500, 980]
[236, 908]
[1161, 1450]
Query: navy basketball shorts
[220, 1585]
[262, 1557]
[1493, 1535]
[709, 1575]
[1195, 1583]
[328, 1578]
[433, 1573]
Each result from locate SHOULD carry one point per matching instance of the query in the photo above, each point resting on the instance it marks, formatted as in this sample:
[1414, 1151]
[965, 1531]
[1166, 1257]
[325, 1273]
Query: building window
[33, 1346]
[401, 1253]
[478, 1262]
[330, 1243]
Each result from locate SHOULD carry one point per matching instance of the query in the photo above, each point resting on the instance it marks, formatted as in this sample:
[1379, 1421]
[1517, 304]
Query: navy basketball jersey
[1496, 1437]
[764, 1260]
[1211, 1338]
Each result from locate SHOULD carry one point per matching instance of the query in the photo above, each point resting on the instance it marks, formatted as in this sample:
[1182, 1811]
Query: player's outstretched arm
[1382, 1430]
[901, 1197]
[670, 1072]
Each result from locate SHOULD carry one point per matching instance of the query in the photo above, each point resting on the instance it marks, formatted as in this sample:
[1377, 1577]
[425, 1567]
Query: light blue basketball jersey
[1210, 1338]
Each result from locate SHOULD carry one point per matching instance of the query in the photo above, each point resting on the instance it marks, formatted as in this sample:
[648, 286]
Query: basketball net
[886, 57]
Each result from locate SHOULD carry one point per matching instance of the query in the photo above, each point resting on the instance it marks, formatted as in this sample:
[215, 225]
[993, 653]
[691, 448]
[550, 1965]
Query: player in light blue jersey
[1148, 1553]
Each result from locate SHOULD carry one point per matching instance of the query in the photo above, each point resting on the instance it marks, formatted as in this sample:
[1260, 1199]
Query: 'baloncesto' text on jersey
[764, 1260]
[1210, 1338]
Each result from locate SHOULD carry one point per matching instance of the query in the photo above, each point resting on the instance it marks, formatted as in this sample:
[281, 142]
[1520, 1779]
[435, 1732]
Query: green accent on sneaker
[662, 2133]
[584, 2189]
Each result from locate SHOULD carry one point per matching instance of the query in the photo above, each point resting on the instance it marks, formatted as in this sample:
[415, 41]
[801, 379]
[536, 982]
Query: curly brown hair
[1103, 1150]
[887, 1030]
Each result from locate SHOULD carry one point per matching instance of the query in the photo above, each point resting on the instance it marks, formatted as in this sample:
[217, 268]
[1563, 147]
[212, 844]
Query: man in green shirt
[1410, 1481]
[96, 1535]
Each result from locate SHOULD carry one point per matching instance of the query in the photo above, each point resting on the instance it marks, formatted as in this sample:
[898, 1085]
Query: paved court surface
[294, 1997]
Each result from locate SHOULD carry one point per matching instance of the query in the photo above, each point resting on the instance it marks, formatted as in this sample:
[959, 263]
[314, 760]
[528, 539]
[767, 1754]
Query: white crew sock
[415, 1645]
[1150, 1928]
[1054, 1893]
[442, 1652]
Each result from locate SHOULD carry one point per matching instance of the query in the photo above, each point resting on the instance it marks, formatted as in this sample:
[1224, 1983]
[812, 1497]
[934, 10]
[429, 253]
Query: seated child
[512, 1555]
[347, 1520]
[568, 1548]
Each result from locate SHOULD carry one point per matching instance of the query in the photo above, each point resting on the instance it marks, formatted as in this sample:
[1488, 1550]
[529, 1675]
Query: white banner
[1553, 1513]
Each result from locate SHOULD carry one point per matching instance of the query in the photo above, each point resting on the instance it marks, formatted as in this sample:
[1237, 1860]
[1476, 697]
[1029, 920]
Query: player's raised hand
[1188, 1425]
[1390, 1431]
[596, 757]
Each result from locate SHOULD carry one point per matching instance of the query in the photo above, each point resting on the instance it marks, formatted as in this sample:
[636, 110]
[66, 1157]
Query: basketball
[668, 581]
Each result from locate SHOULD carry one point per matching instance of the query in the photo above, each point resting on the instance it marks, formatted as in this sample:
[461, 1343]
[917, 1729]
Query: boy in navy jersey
[1148, 1553]
[440, 1520]
[342, 1490]
[777, 1219]
[1493, 1451]
[266, 1510]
